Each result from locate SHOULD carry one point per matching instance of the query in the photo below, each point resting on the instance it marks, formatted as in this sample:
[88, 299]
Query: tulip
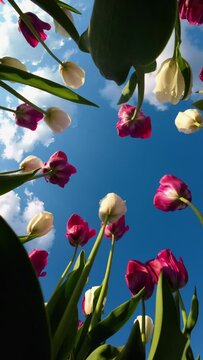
[39, 259]
[201, 74]
[31, 163]
[58, 28]
[2, 2]
[40, 224]
[59, 168]
[78, 232]
[117, 229]
[57, 119]
[169, 193]
[189, 121]
[137, 276]
[39, 26]
[80, 324]
[138, 127]
[13, 62]
[27, 116]
[113, 207]
[72, 74]
[149, 326]
[170, 84]
[173, 269]
[88, 301]
[192, 10]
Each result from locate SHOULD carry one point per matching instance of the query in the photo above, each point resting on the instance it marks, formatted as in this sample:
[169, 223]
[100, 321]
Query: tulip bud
[189, 121]
[149, 326]
[72, 74]
[58, 28]
[39, 260]
[88, 301]
[40, 224]
[57, 119]
[30, 163]
[13, 62]
[113, 207]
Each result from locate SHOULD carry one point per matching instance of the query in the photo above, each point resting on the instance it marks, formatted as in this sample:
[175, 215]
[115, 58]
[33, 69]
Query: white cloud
[12, 211]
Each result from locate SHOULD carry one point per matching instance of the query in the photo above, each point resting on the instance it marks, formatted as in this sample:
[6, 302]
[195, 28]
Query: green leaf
[198, 104]
[187, 353]
[12, 181]
[104, 352]
[198, 357]
[83, 42]
[26, 78]
[129, 89]
[134, 348]
[66, 6]
[168, 342]
[193, 314]
[25, 331]
[55, 11]
[186, 73]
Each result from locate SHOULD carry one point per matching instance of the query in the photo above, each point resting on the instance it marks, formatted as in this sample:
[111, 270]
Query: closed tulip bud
[113, 207]
[88, 301]
[59, 29]
[72, 74]
[40, 224]
[13, 62]
[39, 260]
[57, 119]
[31, 163]
[189, 121]
[149, 326]
[170, 84]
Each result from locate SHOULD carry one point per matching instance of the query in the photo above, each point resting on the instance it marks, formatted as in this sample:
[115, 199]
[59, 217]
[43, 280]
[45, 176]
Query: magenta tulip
[39, 26]
[171, 189]
[60, 169]
[201, 74]
[173, 269]
[192, 10]
[80, 324]
[39, 259]
[78, 231]
[140, 127]
[137, 276]
[118, 229]
[27, 117]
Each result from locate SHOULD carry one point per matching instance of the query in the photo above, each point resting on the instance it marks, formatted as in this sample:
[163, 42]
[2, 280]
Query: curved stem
[141, 89]
[194, 209]
[143, 336]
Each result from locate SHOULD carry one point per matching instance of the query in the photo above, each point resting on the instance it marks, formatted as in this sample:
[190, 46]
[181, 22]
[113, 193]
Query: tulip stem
[10, 172]
[141, 89]
[42, 174]
[183, 311]
[100, 302]
[28, 23]
[194, 209]
[143, 322]
[7, 109]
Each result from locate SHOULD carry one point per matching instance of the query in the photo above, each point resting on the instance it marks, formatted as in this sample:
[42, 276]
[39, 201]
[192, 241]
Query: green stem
[177, 36]
[10, 172]
[143, 336]
[42, 175]
[62, 327]
[28, 23]
[183, 311]
[194, 209]
[99, 306]
[19, 96]
[7, 109]
[141, 89]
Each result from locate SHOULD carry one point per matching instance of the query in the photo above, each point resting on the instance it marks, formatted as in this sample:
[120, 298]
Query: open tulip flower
[39, 259]
[138, 127]
[78, 232]
[116, 229]
[27, 117]
[192, 10]
[39, 26]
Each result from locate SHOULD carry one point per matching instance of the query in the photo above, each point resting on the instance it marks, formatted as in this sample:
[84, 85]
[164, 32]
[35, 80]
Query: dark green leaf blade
[193, 314]
[25, 331]
[198, 104]
[128, 89]
[12, 181]
[66, 6]
[104, 352]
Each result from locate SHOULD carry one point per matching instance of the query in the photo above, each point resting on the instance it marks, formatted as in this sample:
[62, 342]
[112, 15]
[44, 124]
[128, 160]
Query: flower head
[78, 232]
[31, 163]
[72, 74]
[201, 74]
[27, 117]
[39, 26]
[149, 326]
[137, 276]
[140, 127]
[88, 301]
[113, 207]
[39, 259]
[40, 224]
[58, 28]
[171, 189]
[174, 270]
[189, 121]
[57, 119]
[59, 168]
[13, 62]
[192, 10]
[118, 229]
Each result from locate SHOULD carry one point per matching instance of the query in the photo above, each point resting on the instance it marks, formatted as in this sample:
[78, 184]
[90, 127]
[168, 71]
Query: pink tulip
[140, 127]
[201, 74]
[27, 117]
[39, 259]
[80, 324]
[137, 276]
[192, 10]
[39, 26]
[118, 229]
[167, 197]
[78, 232]
[174, 270]
[61, 170]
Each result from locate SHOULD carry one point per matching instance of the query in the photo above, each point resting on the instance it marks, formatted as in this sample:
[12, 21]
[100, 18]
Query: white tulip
[72, 74]
[30, 163]
[57, 119]
[58, 28]
[40, 224]
[112, 206]
[13, 62]
[189, 121]
[149, 326]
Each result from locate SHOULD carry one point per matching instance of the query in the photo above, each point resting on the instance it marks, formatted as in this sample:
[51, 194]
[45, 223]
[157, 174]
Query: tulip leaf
[198, 357]
[193, 314]
[187, 353]
[198, 104]
[66, 6]
[83, 42]
[186, 73]
[104, 352]
[53, 8]
[167, 334]
[134, 348]
[129, 89]
[22, 304]
[26, 78]
[9, 182]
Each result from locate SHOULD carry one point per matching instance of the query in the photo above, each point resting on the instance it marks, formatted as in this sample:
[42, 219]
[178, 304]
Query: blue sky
[105, 163]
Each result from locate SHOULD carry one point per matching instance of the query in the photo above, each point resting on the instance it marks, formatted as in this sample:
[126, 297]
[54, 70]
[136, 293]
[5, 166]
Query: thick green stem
[143, 336]
[141, 89]
[10, 172]
[177, 35]
[7, 109]
[194, 209]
